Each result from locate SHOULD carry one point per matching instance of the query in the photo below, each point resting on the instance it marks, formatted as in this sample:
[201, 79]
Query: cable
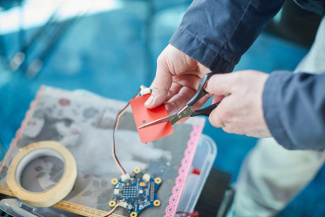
[112, 210]
[143, 90]
[114, 130]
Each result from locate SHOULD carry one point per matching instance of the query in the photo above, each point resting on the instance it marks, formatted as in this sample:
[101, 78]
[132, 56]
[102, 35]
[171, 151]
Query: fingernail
[149, 101]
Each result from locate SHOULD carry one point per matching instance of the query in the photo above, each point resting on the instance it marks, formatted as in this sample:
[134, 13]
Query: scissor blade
[183, 113]
[161, 120]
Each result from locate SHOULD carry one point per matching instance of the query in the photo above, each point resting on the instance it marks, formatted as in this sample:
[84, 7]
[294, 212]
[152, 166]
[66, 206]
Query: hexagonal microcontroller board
[138, 192]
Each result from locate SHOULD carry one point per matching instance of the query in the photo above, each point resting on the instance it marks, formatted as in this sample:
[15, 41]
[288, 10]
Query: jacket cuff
[272, 107]
[200, 51]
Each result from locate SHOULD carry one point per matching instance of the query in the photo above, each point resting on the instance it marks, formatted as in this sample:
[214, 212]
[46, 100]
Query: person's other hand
[241, 111]
[177, 79]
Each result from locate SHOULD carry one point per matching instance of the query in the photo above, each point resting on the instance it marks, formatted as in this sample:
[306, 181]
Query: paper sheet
[142, 115]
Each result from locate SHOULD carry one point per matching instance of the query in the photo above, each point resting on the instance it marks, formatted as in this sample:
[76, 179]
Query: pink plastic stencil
[184, 170]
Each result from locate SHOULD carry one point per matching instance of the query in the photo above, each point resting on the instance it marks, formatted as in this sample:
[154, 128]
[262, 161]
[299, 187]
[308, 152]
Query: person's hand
[177, 79]
[241, 111]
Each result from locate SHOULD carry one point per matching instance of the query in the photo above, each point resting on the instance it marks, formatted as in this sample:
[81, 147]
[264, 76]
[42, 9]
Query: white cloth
[271, 175]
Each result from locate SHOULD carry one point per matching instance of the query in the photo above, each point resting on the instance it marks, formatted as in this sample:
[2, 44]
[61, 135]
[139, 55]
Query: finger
[220, 84]
[160, 87]
[179, 100]
[216, 118]
[174, 89]
[201, 102]
[188, 80]
[217, 99]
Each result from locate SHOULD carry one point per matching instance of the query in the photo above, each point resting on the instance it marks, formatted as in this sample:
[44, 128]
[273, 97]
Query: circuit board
[137, 192]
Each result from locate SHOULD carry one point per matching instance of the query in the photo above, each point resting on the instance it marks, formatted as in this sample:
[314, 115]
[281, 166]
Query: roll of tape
[31, 152]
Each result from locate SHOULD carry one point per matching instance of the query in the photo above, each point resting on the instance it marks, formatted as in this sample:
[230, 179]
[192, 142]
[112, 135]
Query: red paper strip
[143, 115]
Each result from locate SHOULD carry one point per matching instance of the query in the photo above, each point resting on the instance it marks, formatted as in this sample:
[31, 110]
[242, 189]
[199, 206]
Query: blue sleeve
[217, 33]
[294, 109]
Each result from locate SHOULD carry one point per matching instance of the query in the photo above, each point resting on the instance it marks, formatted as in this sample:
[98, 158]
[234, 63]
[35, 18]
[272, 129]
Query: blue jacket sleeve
[217, 33]
[294, 109]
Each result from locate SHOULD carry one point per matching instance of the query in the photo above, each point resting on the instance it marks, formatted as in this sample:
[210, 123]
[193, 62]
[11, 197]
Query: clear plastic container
[203, 160]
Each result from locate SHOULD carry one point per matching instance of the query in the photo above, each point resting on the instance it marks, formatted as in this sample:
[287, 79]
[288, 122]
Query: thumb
[220, 84]
[160, 87]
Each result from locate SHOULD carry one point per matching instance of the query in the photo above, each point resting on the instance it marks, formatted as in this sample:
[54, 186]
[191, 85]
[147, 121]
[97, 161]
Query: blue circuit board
[138, 192]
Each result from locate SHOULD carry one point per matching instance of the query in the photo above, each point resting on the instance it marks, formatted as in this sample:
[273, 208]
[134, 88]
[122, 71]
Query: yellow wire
[112, 210]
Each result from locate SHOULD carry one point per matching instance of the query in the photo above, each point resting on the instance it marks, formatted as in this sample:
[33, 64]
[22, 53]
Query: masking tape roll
[31, 152]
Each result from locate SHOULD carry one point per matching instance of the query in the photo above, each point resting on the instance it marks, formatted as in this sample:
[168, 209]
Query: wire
[118, 164]
[112, 210]
[117, 120]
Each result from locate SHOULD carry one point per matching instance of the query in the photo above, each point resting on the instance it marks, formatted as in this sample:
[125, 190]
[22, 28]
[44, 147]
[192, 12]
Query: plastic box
[203, 160]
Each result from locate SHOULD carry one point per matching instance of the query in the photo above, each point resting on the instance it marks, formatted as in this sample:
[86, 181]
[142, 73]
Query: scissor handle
[205, 111]
[200, 91]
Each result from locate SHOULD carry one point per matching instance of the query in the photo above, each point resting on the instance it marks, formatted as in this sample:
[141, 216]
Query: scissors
[187, 110]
